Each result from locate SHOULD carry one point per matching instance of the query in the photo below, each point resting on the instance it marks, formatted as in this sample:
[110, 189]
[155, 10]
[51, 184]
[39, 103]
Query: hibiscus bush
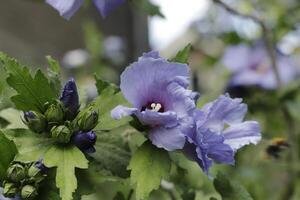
[181, 128]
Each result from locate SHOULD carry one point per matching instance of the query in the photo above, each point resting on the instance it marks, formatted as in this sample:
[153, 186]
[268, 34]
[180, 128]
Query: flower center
[157, 107]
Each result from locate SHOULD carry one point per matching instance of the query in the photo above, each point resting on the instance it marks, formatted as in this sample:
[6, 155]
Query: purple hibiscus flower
[157, 89]
[70, 99]
[219, 132]
[250, 65]
[67, 8]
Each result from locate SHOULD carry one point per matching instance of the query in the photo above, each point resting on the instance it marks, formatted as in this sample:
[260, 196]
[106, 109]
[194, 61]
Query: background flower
[250, 65]
[68, 8]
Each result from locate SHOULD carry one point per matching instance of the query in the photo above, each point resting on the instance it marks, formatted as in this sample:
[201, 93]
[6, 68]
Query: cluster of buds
[23, 179]
[63, 120]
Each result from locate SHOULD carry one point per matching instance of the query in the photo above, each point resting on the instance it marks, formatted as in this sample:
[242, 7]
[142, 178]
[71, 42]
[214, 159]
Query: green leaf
[148, 7]
[31, 146]
[33, 92]
[66, 159]
[148, 166]
[109, 97]
[230, 190]
[183, 55]
[112, 152]
[54, 74]
[13, 117]
[8, 150]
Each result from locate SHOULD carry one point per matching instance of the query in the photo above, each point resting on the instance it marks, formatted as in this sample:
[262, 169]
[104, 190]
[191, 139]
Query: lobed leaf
[66, 159]
[148, 166]
[32, 92]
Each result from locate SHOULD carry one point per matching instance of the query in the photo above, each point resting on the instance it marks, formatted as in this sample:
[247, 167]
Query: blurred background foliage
[88, 45]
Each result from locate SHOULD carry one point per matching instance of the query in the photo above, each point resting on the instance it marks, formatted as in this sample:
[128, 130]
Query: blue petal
[168, 138]
[147, 80]
[66, 8]
[221, 111]
[106, 6]
[122, 111]
[152, 118]
[239, 135]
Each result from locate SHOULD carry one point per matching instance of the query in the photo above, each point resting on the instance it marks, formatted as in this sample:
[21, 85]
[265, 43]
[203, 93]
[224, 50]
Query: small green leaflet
[183, 55]
[148, 166]
[109, 97]
[54, 74]
[33, 92]
[230, 190]
[8, 151]
[66, 159]
[150, 8]
[31, 146]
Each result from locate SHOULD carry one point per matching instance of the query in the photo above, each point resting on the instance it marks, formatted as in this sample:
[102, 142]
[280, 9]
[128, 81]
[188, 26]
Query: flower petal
[122, 111]
[66, 8]
[106, 6]
[239, 135]
[223, 110]
[152, 118]
[147, 79]
[168, 138]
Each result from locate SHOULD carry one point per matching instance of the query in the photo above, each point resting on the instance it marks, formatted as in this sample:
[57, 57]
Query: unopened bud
[28, 192]
[55, 113]
[70, 99]
[87, 120]
[85, 141]
[16, 173]
[10, 190]
[61, 134]
[35, 121]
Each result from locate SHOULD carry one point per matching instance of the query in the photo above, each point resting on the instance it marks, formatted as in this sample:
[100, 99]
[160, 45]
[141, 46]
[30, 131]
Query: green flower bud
[55, 113]
[61, 134]
[28, 192]
[87, 120]
[35, 121]
[16, 173]
[9, 190]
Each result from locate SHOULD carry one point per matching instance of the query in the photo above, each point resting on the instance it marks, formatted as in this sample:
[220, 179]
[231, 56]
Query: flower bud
[35, 121]
[61, 134]
[9, 190]
[87, 120]
[85, 141]
[70, 99]
[55, 113]
[28, 192]
[16, 173]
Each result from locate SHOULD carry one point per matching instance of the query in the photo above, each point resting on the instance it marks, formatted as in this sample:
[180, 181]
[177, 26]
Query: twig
[266, 37]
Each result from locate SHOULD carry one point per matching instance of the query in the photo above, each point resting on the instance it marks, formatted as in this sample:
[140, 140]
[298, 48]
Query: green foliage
[112, 151]
[183, 55]
[65, 159]
[230, 190]
[12, 116]
[33, 92]
[148, 166]
[109, 97]
[8, 151]
[54, 74]
[31, 146]
[148, 7]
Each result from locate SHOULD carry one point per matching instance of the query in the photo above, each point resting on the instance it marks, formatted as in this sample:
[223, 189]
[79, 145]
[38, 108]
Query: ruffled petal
[239, 135]
[122, 111]
[106, 6]
[168, 138]
[152, 118]
[147, 79]
[66, 8]
[223, 110]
